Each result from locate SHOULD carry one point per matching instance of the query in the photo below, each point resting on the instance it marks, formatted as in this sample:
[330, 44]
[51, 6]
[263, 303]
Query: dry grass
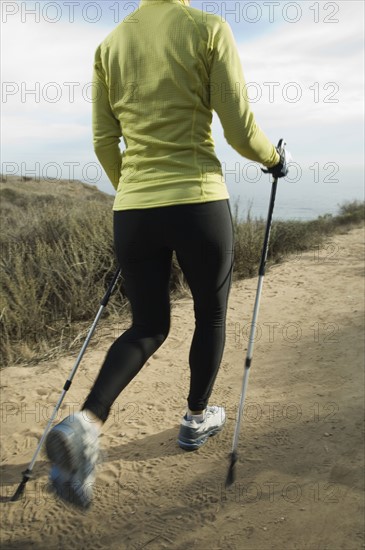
[57, 260]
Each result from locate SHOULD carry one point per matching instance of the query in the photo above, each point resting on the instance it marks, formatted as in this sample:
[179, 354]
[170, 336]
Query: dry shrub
[58, 259]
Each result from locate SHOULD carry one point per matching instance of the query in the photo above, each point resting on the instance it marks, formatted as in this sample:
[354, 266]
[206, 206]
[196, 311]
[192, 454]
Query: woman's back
[163, 70]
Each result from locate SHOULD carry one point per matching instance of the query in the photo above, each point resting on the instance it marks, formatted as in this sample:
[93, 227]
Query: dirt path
[300, 473]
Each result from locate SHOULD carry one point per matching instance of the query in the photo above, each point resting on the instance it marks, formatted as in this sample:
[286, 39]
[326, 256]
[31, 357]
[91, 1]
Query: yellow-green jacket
[157, 78]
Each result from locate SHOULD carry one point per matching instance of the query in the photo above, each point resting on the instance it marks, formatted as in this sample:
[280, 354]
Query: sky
[303, 65]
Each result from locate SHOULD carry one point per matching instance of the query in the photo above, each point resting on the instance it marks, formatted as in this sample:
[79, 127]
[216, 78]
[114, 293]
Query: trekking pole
[27, 474]
[234, 455]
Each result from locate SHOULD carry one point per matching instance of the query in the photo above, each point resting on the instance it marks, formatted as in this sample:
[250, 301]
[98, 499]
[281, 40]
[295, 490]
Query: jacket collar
[149, 2]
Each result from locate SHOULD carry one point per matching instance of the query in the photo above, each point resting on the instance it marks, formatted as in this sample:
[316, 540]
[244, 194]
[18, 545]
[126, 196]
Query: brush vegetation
[57, 261]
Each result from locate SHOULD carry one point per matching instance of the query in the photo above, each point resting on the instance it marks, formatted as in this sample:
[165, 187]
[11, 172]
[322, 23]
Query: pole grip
[265, 248]
[105, 299]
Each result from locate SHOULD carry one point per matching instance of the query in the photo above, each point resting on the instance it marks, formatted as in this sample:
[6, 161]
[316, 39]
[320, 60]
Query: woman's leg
[205, 254]
[72, 445]
[146, 267]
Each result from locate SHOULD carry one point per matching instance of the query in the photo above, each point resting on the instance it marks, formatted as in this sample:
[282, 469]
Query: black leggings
[202, 237]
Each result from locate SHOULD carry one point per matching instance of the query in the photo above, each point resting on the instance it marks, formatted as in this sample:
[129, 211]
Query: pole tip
[231, 469]
[20, 490]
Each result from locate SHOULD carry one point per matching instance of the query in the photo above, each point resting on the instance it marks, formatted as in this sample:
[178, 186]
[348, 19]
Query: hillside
[58, 258]
[23, 192]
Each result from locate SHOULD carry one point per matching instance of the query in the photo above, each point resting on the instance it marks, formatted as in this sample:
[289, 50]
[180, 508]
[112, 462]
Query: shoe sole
[70, 491]
[194, 444]
[70, 494]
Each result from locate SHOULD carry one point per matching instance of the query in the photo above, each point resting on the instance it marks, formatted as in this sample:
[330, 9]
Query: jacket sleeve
[106, 128]
[229, 100]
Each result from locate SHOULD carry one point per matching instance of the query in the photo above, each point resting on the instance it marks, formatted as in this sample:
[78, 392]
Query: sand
[299, 478]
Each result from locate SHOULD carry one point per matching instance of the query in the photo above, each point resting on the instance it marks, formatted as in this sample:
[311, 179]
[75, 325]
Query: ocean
[302, 200]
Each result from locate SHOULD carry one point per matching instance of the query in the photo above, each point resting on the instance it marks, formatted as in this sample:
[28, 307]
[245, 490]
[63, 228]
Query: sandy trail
[300, 475]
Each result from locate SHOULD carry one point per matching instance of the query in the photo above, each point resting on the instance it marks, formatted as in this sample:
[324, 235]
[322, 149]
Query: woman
[157, 78]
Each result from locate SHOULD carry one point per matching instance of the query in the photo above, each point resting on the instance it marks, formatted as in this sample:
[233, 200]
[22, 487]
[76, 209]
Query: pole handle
[109, 292]
[265, 248]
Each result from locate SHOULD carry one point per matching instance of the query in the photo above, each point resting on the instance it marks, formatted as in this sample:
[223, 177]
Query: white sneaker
[195, 429]
[73, 448]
